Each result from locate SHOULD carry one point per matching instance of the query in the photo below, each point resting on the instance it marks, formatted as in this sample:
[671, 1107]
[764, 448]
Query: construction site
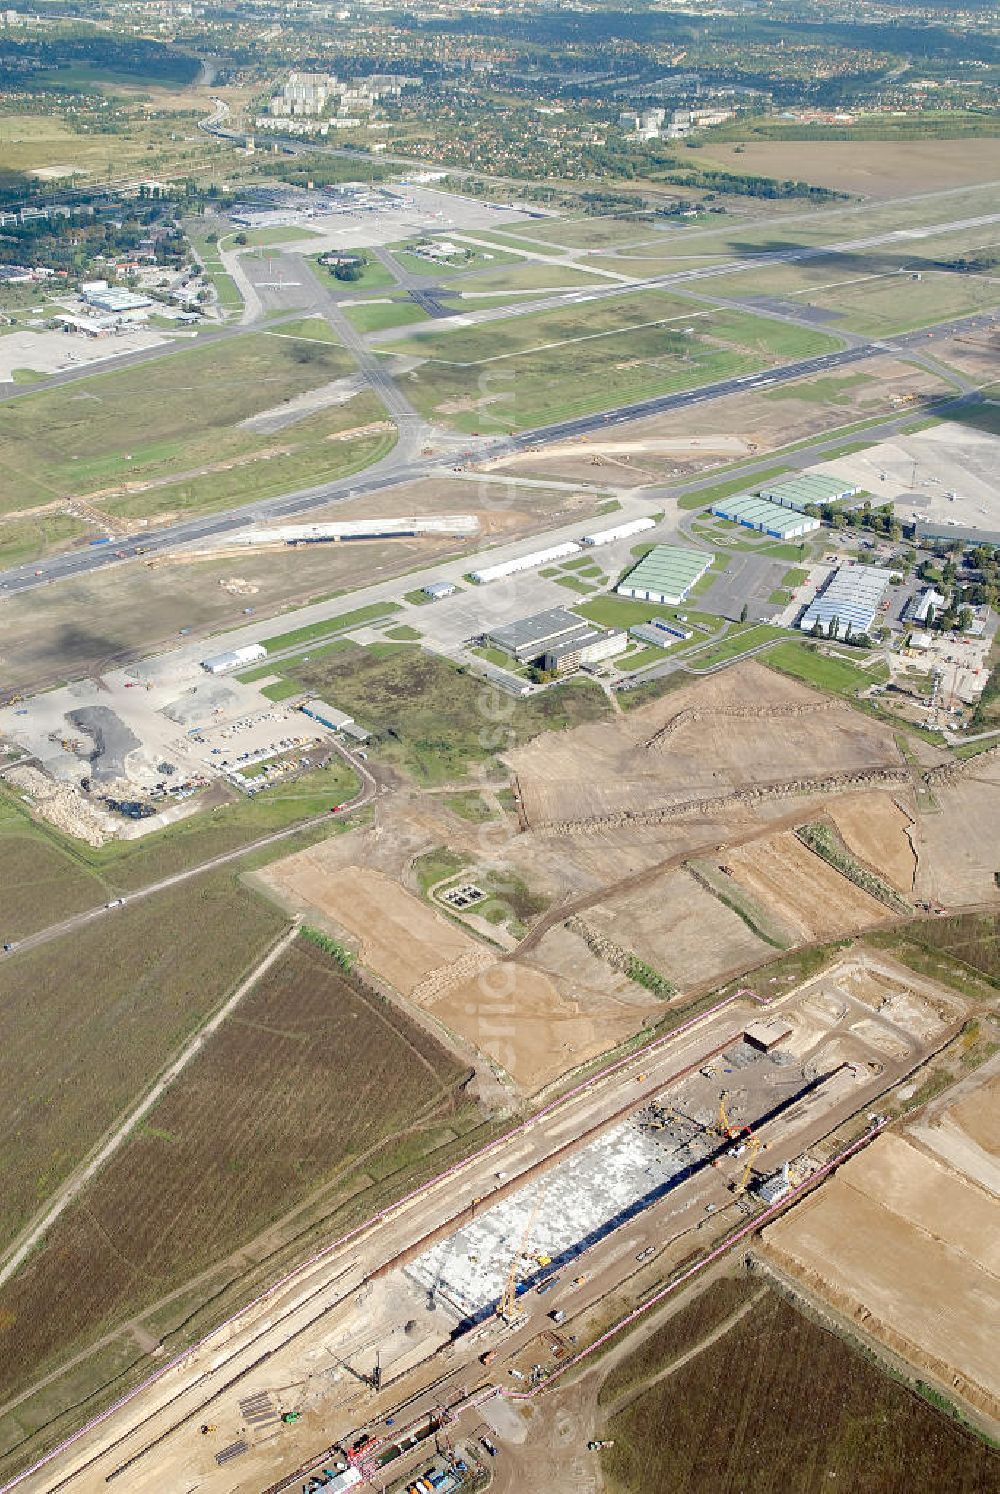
[737, 1126]
[418, 1330]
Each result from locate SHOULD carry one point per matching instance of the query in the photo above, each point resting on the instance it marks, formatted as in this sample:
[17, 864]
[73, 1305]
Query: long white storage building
[619, 532]
[358, 529]
[524, 563]
[237, 658]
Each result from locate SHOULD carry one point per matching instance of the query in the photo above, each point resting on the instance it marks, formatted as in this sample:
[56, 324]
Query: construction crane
[725, 1125]
[507, 1305]
[754, 1147]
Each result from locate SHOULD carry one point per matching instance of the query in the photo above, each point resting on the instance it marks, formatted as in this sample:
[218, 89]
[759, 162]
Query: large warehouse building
[665, 575]
[557, 639]
[527, 639]
[764, 516]
[849, 602]
[809, 487]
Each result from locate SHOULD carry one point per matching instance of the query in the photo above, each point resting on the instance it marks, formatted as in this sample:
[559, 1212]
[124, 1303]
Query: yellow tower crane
[725, 1126]
[754, 1146]
[507, 1304]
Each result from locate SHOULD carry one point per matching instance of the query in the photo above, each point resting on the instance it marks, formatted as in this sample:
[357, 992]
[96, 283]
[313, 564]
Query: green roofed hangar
[665, 575]
[809, 487]
[764, 516]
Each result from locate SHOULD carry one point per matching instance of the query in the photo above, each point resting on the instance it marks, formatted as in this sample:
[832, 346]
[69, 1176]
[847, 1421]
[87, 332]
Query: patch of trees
[138, 57]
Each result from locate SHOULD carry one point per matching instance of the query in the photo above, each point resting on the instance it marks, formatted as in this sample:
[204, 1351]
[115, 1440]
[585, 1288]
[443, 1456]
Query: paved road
[399, 467]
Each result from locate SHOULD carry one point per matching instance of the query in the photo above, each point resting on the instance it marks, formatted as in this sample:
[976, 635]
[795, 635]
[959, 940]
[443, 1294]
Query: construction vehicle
[206, 1429]
[289, 1416]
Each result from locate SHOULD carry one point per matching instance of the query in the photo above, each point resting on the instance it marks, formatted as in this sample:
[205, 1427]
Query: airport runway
[398, 468]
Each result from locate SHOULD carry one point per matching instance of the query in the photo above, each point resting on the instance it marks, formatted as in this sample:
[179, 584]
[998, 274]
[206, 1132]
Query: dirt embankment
[832, 783]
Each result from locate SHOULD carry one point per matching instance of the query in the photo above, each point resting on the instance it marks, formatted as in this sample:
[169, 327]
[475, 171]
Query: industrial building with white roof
[849, 602]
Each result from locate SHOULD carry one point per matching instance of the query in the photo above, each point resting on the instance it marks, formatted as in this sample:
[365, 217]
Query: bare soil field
[679, 928]
[802, 889]
[874, 828]
[979, 1116]
[908, 1247]
[562, 954]
[972, 353]
[396, 935]
[957, 846]
[536, 1026]
[742, 728]
[533, 1019]
[962, 1128]
[802, 1411]
[310, 1082]
[871, 168]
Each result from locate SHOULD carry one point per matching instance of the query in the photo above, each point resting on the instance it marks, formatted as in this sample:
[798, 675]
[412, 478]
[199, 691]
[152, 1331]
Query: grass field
[641, 658]
[800, 1411]
[806, 663]
[316, 631]
[521, 277]
[740, 639]
[225, 286]
[866, 297]
[95, 432]
[584, 357]
[237, 1141]
[374, 276]
[42, 883]
[87, 1022]
[436, 721]
[973, 939]
[377, 316]
[310, 328]
[522, 241]
[622, 612]
[28, 539]
[28, 141]
[316, 449]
